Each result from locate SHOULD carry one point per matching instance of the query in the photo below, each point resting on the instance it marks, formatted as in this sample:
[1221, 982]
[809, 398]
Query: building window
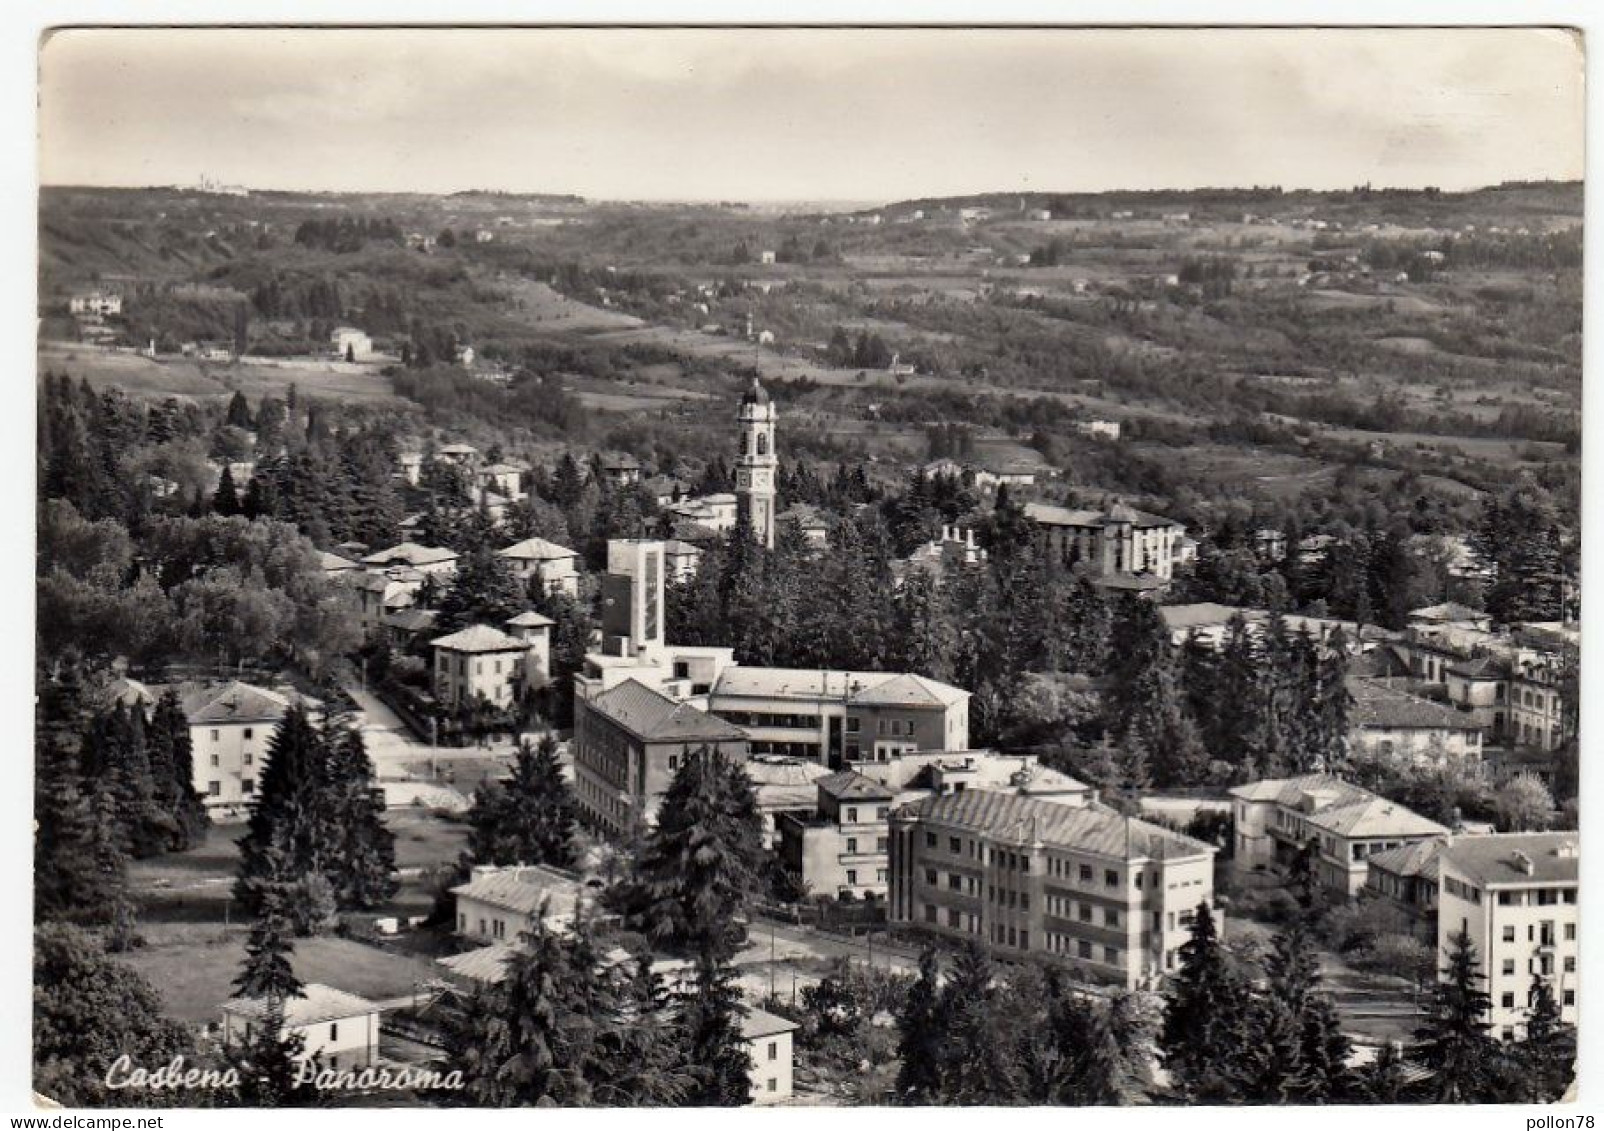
[215, 788]
[952, 918]
[852, 844]
[955, 881]
[1570, 997]
[247, 786]
[1570, 932]
[852, 876]
[216, 760]
[852, 814]
[673, 762]
[1110, 917]
[217, 736]
[1085, 873]
[1111, 956]
[1509, 966]
[1509, 934]
[955, 845]
[930, 913]
[249, 732]
[930, 840]
[770, 1084]
[881, 812]
[774, 1050]
[930, 876]
[1083, 949]
[334, 1030]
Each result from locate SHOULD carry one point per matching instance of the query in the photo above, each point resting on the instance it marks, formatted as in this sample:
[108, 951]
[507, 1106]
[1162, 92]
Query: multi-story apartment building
[841, 848]
[1515, 895]
[1120, 540]
[230, 727]
[1109, 897]
[1276, 819]
[1536, 705]
[481, 662]
[629, 742]
[556, 566]
[839, 717]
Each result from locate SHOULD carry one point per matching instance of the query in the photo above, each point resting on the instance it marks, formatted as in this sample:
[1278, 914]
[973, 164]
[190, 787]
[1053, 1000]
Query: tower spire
[757, 462]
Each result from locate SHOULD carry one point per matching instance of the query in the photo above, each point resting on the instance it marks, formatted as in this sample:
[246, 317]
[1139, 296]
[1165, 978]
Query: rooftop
[1503, 858]
[1382, 706]
[412, 620]
[522, 888]
[1205, 614]
[654, 717]
[411, 553]
[479, 638]
[531, 619]
[1048, 515]
[537, 550]
[237, 702]
[759, 1023]
[317, 1004]
[1087, 829]
[333, 563]
[1447, 613]
[851, 786]
[868, 688]
[1417, 859]
[486, 965]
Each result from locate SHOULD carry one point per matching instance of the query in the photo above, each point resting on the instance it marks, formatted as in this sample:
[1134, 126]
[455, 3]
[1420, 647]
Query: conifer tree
[1455, 1044]
[1205, 1005]
[175, 788]
[1547, 1053]
[532, 818]
[266, 971]
[710, 1015]
[68, 878]
[920, 1043]
[703, 861]
[362, 856]
[977, 1067]
[225, 500]
[287, 840]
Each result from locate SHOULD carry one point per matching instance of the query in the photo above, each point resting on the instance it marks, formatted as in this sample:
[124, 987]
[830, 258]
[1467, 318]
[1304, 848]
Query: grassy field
[188, 379]
[194, 934]
[194, 975]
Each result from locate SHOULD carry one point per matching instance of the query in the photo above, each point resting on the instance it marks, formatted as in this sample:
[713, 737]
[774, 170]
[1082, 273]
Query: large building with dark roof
[1109, 897]
[629, 741]
[1389, 722]
[1121, 542]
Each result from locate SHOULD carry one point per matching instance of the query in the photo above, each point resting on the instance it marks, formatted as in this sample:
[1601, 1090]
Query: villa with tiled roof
[1276, 819]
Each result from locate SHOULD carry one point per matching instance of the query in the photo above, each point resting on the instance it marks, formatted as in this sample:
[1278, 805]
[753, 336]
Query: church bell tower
[757, 463]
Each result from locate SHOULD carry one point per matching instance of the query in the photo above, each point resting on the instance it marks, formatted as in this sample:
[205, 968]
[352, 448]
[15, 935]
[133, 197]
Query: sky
[817, 115]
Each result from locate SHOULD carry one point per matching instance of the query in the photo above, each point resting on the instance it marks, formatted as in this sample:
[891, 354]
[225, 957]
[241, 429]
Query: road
[791, 943]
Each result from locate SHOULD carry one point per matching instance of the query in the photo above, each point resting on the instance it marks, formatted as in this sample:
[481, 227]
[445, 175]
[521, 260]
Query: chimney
[1523, 863]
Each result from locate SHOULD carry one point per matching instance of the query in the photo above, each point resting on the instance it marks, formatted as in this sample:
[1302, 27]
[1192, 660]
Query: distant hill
[1512, 198]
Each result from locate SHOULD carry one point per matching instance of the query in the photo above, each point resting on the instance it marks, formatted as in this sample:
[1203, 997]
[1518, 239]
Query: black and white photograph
[883, 566]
